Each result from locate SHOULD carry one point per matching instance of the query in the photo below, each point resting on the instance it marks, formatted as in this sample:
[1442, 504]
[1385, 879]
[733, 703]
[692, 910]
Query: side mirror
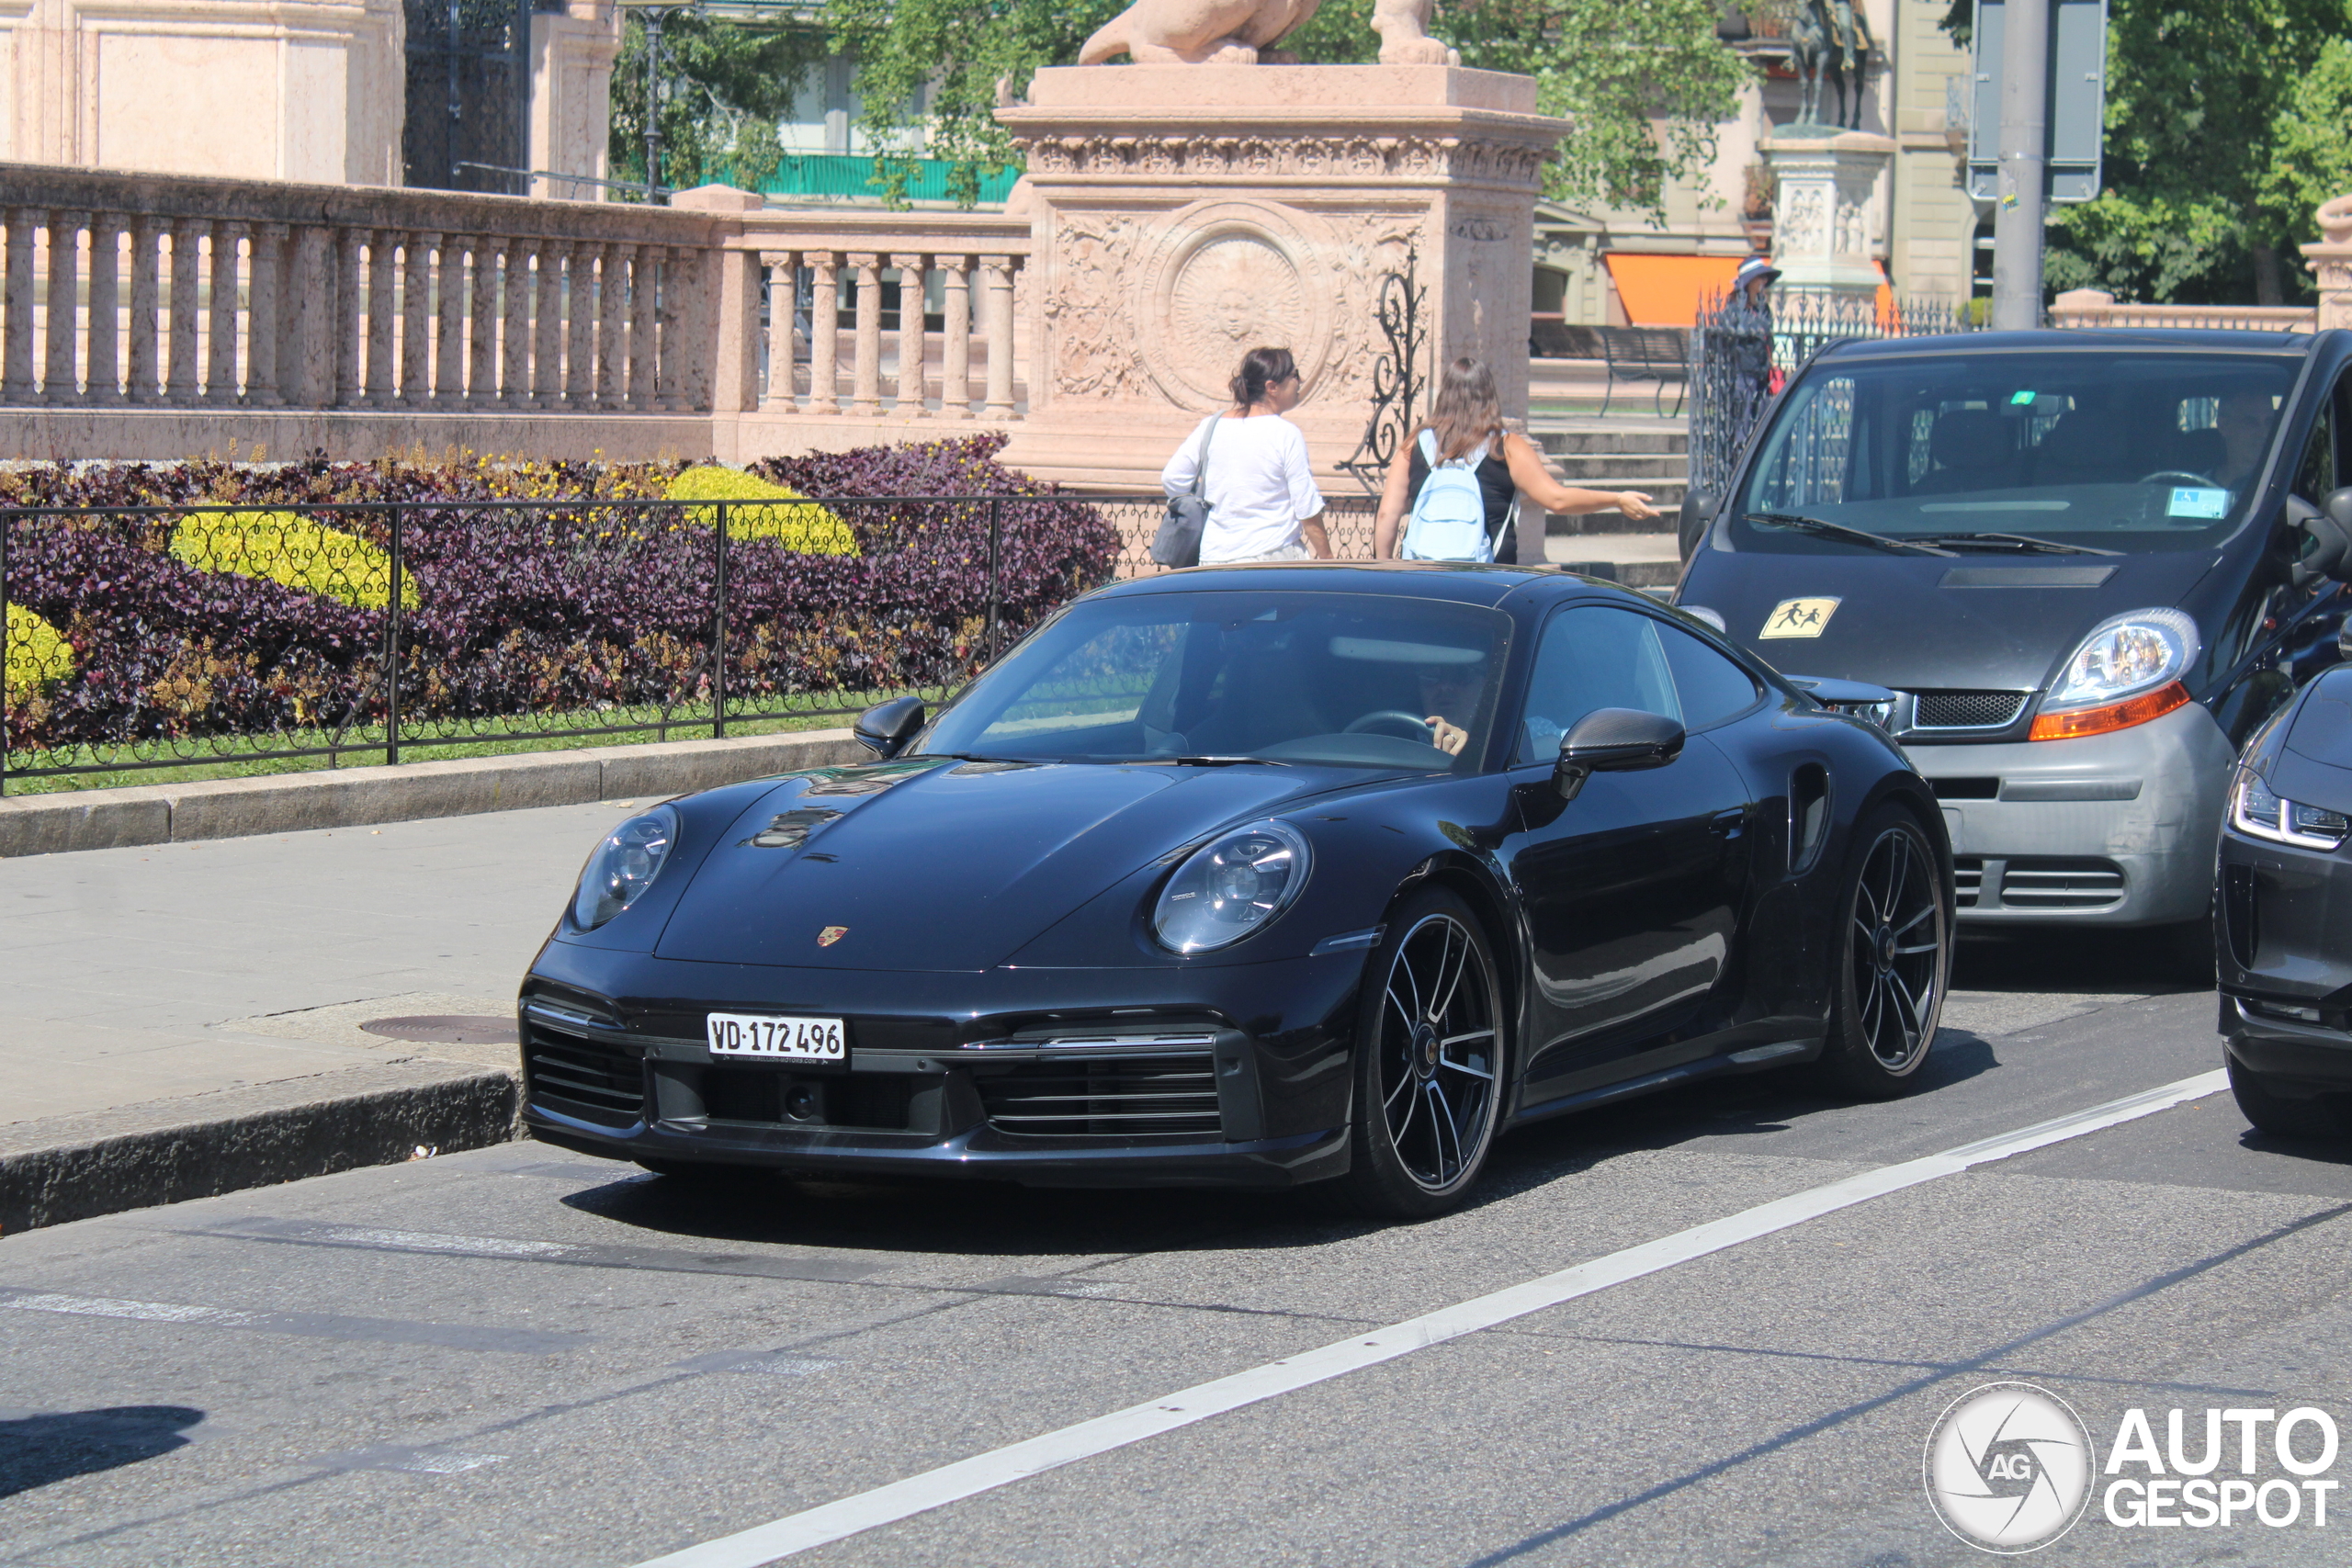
[2328, 532]
[1614, 741]
[886, 728]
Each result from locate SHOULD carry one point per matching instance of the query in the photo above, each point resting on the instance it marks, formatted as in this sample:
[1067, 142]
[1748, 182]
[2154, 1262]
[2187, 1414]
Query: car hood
[1928, 623]
[949, 866]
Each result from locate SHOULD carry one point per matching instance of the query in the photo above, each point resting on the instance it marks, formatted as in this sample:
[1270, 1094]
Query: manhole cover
[446, 1029]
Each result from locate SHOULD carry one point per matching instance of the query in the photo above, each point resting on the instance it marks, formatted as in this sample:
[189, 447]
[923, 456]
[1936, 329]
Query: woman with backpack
[1449, 491]
[1250, 464]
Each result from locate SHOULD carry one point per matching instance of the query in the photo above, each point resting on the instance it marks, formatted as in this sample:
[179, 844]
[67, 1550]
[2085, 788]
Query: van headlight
[2256, 809]
[624, 866]
[1231, 886]
[2127, 671]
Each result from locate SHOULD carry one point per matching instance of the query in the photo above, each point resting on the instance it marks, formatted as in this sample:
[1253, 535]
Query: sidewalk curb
[76, 1168]
[346, 798]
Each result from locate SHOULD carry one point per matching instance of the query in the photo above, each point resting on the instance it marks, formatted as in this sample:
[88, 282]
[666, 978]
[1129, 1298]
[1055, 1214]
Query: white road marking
[1001, 1467]
[430, 1241]
[144, 1312]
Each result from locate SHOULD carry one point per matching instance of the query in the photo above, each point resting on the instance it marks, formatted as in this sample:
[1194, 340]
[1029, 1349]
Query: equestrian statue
[1826, 38]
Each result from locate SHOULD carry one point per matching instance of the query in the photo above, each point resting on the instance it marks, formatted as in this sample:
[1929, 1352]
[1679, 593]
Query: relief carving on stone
[1369, 245]
[1223, 277]
[1504, 163]
[1803, 225]
[1090, 307]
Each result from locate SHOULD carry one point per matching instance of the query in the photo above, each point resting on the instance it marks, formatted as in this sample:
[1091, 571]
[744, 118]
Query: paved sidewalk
[169, 970]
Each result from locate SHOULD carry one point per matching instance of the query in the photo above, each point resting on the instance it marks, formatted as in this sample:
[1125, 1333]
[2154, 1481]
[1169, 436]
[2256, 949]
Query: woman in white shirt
[1260, 489]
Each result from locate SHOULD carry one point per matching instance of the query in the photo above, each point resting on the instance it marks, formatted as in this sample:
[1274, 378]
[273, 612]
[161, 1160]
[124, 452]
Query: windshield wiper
[2024, 544]
[1825, 530]
[1219, 761]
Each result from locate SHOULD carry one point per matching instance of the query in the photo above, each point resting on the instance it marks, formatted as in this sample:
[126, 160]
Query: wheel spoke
[1464, 1067]
[1402, 1085]
[1923, 914]
[1898, 872]
[1908, 1015]
[1460, 962]
[1922, 947]
[1441, 1113]
[1397, 1130]
[1402, 1009]
[1405, 964]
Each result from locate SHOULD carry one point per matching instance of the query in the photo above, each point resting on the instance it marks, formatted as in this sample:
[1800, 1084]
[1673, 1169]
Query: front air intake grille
[1122, 1098]
[579, 1077]
[1967, 880]
[1967, 710]
[2061, 885]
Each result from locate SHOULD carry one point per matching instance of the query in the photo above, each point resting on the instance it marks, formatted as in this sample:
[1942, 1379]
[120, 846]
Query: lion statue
[1243, 33]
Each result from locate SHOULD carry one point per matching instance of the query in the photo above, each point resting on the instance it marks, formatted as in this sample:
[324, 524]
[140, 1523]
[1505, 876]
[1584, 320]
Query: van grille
[1123, 1097]
[582, 1079]
[1967, 880]
[1967, 710]
[2062, 884]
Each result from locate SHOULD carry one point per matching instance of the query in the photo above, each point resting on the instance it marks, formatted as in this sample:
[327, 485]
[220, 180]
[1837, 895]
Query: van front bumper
[2114, 830]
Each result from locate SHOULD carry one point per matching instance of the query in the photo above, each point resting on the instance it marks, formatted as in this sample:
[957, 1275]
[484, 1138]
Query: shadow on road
[37, 1451]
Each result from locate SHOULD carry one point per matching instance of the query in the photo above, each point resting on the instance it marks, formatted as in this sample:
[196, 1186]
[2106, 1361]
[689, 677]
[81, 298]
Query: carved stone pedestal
[1184, 215]
[1826, 216]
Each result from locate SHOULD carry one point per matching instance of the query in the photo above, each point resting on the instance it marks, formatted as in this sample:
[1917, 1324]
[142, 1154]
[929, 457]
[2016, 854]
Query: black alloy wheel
[1893, 947]
[1429, 1062]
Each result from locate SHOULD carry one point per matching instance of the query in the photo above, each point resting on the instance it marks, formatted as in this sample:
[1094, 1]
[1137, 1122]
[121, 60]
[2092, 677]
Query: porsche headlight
[2254, 809]
[1231, 887]
[624, 866]
[2134, 652]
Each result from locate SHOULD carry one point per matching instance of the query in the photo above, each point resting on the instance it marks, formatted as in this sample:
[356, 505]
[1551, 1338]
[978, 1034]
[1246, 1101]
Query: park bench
[1645, 354]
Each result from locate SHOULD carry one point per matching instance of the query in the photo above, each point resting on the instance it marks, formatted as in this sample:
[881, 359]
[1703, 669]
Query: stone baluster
[482, 315]
[956, 350]
[59, 384]
[914, 390]
[381, 245]
[547, 365]
[306, 302]
[345, 328]
[824, 334]
[105, 371]
[16, 310]
[690, 316]
[642, 293]
[865, 370]
[416, 304]
[612, 323]
[263, 316]
[449, 322]
[139, 358]
[666, 273]
[995, 278]
[783, 276]
[580, 351]
[514, 335]
[180, 388]
[221, 323]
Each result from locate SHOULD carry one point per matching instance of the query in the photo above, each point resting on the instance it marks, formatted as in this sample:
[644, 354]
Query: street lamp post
[2016, 213]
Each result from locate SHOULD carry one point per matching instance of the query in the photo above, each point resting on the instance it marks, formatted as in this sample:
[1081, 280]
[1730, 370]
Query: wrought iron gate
[469, 95]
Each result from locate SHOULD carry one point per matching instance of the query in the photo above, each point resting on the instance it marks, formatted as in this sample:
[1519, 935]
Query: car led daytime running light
[1231, 887]
[624, 866]
[2256, 811]
[2075, 723]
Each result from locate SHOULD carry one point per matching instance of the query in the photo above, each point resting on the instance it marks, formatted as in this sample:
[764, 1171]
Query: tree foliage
[2225, 128]
[1645, 84]
[725, 88]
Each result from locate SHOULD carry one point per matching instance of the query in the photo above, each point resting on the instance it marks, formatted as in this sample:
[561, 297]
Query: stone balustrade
[137, 290]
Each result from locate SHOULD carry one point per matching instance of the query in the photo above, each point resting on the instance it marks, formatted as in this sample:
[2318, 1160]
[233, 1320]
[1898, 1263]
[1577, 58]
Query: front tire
[2281, 1115]
[1431, 1040]
[1893, 948]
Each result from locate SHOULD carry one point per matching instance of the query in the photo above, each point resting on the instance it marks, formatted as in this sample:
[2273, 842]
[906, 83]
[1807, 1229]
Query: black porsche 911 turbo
[1258, 875]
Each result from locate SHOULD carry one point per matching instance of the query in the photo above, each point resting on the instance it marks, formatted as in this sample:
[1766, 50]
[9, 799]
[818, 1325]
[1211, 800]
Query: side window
[1592, 657]
[1711, 687]
[2320, 473]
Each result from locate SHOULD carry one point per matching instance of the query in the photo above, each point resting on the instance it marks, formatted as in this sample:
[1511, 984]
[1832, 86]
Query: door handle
[1727, 824]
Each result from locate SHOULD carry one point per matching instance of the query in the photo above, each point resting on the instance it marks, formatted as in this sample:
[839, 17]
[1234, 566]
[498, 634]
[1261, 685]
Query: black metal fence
[253, 638]
[1739, 356]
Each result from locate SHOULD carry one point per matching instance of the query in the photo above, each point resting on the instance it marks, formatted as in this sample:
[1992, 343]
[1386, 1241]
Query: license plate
[781, 1039]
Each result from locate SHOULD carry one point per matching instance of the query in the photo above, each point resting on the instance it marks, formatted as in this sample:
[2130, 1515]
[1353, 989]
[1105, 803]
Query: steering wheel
[2175, 474]
[1398, 716]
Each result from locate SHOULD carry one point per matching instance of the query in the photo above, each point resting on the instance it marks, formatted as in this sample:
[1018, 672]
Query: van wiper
[1826, 530]
[1220, 761]
[2024, 544]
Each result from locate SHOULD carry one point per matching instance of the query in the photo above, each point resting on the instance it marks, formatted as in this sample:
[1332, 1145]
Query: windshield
[1356, 678]
[2089, 451]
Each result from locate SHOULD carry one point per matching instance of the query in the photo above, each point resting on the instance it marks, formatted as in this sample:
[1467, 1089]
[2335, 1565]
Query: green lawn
[231, 757]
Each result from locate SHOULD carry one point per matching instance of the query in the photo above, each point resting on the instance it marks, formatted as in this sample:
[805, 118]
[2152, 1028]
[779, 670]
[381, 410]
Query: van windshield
[2082, 450]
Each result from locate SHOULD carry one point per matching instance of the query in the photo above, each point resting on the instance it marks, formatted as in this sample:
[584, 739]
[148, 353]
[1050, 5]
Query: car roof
[2078, 340]
[1458, 582]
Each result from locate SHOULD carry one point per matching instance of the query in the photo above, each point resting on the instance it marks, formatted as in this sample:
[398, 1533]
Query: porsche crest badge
[830, 935]
[1799, 617]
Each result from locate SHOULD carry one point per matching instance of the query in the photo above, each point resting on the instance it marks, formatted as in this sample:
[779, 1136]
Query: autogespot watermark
[2010, 1468]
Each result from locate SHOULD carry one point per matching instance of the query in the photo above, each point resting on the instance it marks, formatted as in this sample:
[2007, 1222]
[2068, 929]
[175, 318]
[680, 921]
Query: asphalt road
[520, 1355]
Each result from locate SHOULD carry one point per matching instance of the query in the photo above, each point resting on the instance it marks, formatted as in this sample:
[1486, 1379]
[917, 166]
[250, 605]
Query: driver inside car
[1449, 700]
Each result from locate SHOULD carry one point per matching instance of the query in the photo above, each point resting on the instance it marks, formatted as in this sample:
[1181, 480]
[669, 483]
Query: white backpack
[1449, 517]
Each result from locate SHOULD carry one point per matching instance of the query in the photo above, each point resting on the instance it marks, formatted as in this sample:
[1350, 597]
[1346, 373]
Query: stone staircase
[1625, 453]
